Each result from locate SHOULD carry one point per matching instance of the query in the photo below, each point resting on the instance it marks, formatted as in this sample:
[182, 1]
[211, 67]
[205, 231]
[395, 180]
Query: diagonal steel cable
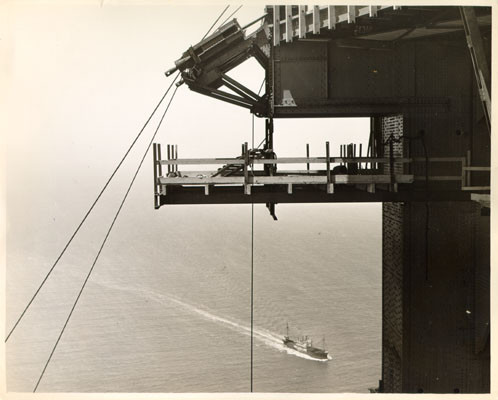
[88, 212]
[116, 215]
[100, 195]
[104, 242]
[214, 23]
[231, 15]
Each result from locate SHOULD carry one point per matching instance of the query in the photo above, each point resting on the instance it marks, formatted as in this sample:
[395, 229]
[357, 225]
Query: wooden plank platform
[284, 179]
[306, 160]
[246, 181]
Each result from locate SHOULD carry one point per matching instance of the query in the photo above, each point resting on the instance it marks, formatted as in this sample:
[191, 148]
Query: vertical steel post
[479, 61]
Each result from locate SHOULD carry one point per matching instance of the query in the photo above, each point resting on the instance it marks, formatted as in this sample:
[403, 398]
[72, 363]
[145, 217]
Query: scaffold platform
[256, 177]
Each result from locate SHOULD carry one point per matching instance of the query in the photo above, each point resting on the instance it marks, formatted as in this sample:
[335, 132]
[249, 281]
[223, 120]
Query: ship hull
[314, 352]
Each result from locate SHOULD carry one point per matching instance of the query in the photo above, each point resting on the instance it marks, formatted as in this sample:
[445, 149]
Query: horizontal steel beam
[308, 194]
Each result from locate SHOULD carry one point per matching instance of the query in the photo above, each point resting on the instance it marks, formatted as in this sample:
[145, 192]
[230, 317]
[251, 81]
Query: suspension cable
[89, 211]
[231, 15]
[105, 240]
[118, 211]
[214, 23]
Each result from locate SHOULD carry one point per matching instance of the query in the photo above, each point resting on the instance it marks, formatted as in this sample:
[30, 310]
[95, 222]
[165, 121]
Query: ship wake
[262, 335]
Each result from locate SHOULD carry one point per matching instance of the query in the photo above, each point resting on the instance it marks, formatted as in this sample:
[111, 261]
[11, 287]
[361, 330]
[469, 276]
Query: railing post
[176, 158]
[360, 166]
[169, 157]
[302, 22]
[308, 156]
[288, 24]
[464, 172]
[158, 158]
[276, 25]
[332, 17]
[355, 165]
[247, 187]
[156, 186]
[392, 186]
[330, 185]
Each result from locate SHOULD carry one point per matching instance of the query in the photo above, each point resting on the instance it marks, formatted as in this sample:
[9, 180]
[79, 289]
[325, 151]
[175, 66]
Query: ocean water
[167, 308]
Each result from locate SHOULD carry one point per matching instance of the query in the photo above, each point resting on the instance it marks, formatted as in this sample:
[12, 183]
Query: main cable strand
[89, 211]
[104, 241]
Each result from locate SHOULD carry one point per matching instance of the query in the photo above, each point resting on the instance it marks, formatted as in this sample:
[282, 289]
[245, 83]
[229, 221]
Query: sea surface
[167, 308]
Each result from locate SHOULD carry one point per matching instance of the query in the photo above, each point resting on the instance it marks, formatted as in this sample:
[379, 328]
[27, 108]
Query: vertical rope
[252, 267]
[252, 249]
[252, 291]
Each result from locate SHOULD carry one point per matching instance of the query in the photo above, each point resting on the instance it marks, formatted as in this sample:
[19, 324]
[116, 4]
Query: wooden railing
[249, 175]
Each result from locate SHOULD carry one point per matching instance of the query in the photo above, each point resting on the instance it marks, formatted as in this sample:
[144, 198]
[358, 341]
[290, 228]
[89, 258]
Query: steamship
[305, 345]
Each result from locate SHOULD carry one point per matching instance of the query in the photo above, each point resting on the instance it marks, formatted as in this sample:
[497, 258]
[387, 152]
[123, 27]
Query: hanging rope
[105, 240]
[252, 267]
[252, 290]
[88, 212]
[252, 251]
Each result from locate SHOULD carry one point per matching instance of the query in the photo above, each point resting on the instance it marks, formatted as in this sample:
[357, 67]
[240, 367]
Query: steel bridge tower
[422, 76]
